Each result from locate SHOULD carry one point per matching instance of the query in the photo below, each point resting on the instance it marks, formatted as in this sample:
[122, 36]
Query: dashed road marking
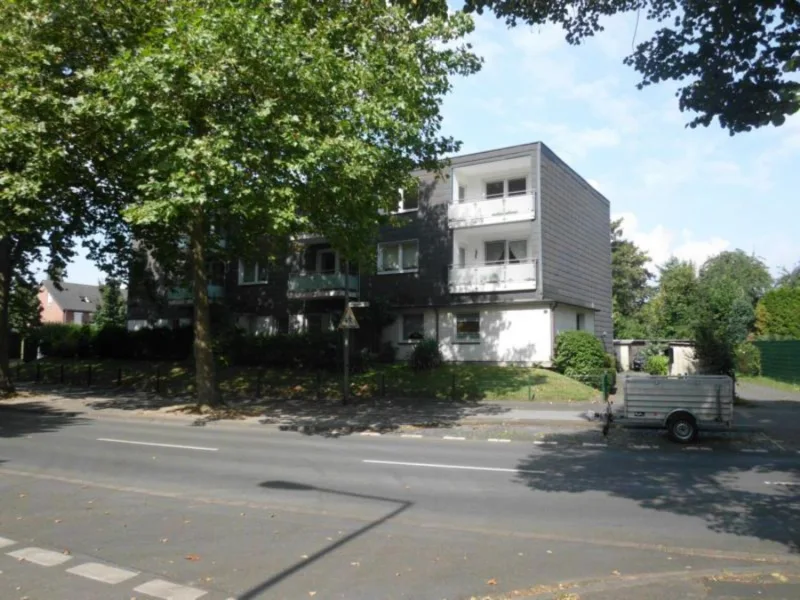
[697, 449]
[40, 556]
[6, 542]
[787, 483]
[166, 590]
[412, 435]
[453, 437]
[594, 445]
[456, 467]
[751, 450]
[371, 433]
[102, 573]
[499, 440]
[643, 447]
[545, 443]
[135, 443]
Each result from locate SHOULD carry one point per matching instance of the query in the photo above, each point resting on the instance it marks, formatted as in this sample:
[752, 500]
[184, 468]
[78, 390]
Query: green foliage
[737, 66]
[671, 311]
[57, 340]
[630, 288]
[745, 274]
[426, 355]
[579, 353]
[113, 310]
[387, 353]
[25, 309]
[64, 340]
[657, 364]
[304, 350]
[788, 278]
[748, 360]
[778, 313]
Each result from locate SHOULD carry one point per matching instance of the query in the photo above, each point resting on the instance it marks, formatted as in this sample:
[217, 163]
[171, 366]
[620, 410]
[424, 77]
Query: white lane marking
[697, 449]
[781, 483]
[6, 542]
[644, 447]
[370, 433]
[166, 590]
[453, 437]
[544, 443]
[501, 441]
[593, 445]
[458, 467]
[40, 556]
[412, 435]
[203, 448]
[102, 573]
[759, 450]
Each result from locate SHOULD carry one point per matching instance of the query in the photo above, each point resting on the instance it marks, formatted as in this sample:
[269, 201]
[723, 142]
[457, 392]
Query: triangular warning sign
[348, 320]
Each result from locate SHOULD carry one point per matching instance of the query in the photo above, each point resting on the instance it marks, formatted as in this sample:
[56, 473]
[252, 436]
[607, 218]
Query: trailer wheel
[682, 428]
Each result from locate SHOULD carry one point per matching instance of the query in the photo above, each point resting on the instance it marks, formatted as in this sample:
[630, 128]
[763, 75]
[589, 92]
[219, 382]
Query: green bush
[65, 340]
[321, 351]
[748, 359]
[657, 364]
[426, 355]
[579, 353]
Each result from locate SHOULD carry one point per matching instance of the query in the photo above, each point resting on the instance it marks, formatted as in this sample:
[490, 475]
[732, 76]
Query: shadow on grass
[28, 417]
[700, 485]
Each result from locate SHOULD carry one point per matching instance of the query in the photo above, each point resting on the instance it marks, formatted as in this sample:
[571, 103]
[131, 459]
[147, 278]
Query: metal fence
[780, 359]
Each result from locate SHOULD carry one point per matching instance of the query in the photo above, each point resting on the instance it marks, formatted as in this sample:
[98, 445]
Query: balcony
[307, 286]
[490, 211]
[184, 296]
[503, 277]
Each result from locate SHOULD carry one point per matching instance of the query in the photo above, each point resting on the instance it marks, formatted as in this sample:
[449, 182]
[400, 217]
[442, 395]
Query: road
[224, 511]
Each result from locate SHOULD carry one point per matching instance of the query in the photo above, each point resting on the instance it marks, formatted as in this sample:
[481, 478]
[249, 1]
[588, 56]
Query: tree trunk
[6, 384]
[205, 376]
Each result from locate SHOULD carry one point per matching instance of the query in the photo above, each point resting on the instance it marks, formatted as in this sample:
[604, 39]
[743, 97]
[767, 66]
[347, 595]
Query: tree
[745, 273]
[789, 278]
[778, 313]
[235, 121]
[630, 288]
[672, 309]
[113, 309]
[738, 60]
[52, 189]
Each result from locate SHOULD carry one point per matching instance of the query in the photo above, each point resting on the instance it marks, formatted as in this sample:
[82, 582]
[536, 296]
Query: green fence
[780, 360]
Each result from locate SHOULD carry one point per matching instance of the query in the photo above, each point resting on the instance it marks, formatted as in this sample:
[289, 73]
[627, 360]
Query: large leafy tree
[238, 120]
[789, 278]
[778, 312]
[735, 61]
[52, 188]
[630, 288]
[672, 309]
[113, 309]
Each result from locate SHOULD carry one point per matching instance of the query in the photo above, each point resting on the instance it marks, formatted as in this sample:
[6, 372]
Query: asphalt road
[237, 512]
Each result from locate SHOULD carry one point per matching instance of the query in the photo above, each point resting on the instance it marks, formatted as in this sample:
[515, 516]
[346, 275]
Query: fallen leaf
[330, 539]
[209, 579]
[549, 551]
[355, 564]
[164, 540]
[192, 557]
[780, 577]
[22, 495]
[186, 522]
[492, 581]
[304, 556]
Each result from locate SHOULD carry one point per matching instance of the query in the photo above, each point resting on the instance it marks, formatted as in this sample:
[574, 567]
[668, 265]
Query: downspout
[553, 306]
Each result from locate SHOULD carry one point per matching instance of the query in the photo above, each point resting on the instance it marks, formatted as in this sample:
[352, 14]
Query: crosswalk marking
[158, 588]
[103, 573]
[40, 556]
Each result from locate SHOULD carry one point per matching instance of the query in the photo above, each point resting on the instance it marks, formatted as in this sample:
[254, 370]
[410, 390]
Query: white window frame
[401, 203]
[466, 340]
[505, 181]
[405, 339]
[507, 251]
[258, 269]
[399, 245]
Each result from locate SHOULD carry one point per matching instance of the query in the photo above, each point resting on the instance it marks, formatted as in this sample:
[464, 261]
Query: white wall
[394, 332]
[566, 319]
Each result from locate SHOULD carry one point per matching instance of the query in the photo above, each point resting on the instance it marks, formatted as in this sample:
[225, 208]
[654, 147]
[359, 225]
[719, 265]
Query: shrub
[387, 353]
[579, 353]
[426, 355]
[657, 364]
[748, 359]
[65, 340]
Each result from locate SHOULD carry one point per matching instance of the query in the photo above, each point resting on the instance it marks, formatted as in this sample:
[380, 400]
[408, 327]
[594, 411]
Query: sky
[689, 193]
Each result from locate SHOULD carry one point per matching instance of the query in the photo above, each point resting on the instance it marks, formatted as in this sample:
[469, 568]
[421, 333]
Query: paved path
[761, 393]
[252, 513]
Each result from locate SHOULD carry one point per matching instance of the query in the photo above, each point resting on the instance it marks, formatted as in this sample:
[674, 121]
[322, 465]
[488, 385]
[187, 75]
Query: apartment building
[493, 259]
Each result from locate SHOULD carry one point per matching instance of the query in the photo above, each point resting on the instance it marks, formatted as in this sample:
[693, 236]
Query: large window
[413, 327]
[409, 200]
[398, 257]
[504, 251]
[326, 261]
[251, 272]
[468, 327]
[515, 186]
[494, 189]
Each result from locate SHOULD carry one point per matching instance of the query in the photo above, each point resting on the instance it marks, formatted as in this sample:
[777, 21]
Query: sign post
[347, 323]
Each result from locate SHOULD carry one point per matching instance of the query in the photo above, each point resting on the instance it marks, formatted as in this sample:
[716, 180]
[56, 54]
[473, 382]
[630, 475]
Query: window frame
[404, 339]
[506, 252]
[457, 337]
[336, 264]
[258, 267]
[506, 193]
[400, 268]
[401, 203]
[580, 322]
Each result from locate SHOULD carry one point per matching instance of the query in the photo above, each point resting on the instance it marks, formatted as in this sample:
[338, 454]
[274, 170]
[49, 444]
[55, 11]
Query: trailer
[683, 405]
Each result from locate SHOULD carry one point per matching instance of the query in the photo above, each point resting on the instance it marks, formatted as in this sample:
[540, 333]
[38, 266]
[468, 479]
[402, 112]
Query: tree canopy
[630, 278]
[113, 309]
[672, 308]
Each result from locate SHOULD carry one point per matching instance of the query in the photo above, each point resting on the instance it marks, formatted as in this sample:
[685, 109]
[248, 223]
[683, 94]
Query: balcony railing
[503, 277]
[321, 285]
[180, 296]
[486, 211]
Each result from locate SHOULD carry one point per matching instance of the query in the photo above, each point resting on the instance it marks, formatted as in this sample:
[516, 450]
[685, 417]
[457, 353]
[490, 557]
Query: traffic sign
[348, 320]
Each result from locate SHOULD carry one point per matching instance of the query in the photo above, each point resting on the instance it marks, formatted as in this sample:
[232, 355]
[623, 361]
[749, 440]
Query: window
[580, 322]
[503, 251]
[398, 257]
[462, 193]
[413, 327]
[250, 272]
[462, 257]
[77, 317]
[494, 189]
[495, 252]
[49, 298]
[517, 251]
[517, 187]
[326, 261]
[409, 200]
[468, 327]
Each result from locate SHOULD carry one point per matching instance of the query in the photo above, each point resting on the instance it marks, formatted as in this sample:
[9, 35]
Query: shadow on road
[401, 506]
[26, 418]
[699, 485]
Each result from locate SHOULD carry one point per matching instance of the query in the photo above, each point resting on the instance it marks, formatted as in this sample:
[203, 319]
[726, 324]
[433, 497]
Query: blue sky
[685, 192]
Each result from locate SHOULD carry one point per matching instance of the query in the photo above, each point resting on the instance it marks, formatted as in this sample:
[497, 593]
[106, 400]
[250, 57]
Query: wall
[576, 242]
[683, 361]
[51, 312]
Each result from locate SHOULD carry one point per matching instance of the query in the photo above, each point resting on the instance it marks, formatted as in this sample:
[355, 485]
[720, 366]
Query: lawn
[783, 386]
[461, 381]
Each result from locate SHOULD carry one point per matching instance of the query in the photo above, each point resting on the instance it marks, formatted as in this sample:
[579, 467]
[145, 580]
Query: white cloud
[661, 243]
[571, 143]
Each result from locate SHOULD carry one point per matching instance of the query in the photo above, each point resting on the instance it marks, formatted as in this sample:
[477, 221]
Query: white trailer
[683, 405]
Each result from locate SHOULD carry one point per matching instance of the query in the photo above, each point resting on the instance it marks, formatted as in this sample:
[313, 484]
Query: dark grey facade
[566, 241]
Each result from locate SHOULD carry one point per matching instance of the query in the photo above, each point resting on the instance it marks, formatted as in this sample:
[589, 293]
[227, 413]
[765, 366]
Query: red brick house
[73, 303]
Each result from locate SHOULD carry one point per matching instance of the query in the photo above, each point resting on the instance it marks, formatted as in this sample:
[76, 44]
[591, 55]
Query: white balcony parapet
[502, 277]
[488, 211]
